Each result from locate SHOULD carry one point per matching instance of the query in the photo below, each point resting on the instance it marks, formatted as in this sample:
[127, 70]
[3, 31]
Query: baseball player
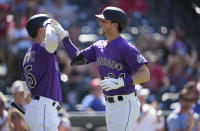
[41, 73]
[120, 66]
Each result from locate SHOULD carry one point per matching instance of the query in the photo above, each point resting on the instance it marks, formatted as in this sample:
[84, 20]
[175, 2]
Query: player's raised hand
[46, 22]
[111, 83]
[59, 30]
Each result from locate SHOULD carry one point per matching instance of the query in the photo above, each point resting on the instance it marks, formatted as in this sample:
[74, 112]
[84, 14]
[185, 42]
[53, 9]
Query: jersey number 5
[30, 79]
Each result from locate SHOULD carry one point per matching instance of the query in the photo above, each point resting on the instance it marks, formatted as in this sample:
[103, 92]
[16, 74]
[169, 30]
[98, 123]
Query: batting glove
[111, 84]
[48, 21]
[59, 30]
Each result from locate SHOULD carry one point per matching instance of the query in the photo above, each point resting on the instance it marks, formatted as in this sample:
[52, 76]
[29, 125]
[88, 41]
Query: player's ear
[115, 25]
[41, 30]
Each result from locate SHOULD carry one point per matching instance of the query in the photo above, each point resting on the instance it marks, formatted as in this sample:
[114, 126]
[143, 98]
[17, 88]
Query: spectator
[19, 44]
[176, 41]
[197, 106]
[16, 120]
[18, 37]
[19, 6]
[4, 26]
[95, 100]
[175, 71]
[134, 6]
[145, 42]
[150, 118]
[192, 87]
[18, 93]
[63, 12]
[63, 61]
[184, 118]
[3, 113]
[158, 77]
[128, 6]
[179, 47]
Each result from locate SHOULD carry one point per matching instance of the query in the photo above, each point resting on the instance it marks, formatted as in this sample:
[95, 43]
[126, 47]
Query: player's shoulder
[124, 44]
[40, 49]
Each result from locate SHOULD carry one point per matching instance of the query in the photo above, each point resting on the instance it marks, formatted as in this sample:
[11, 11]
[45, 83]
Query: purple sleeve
[133, 58]
[89, 53]
[70, 48]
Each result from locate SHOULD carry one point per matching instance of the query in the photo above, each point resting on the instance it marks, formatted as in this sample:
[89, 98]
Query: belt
[58, 107]
[112, 99]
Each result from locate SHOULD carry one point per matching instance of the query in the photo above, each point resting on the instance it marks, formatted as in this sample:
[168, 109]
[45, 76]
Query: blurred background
[166, 32]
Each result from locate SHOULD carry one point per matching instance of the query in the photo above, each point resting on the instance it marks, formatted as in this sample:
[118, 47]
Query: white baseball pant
[121, 115]
[40, 115]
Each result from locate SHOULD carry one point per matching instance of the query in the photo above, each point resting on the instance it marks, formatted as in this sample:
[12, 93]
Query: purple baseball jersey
[115, 59]
[41, 73]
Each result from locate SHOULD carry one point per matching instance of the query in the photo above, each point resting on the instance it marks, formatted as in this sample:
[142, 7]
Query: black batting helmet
[34, 23]
[115, 14]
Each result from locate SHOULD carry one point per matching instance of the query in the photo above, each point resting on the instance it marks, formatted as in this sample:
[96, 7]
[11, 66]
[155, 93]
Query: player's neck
[38, 40]
[112, 36]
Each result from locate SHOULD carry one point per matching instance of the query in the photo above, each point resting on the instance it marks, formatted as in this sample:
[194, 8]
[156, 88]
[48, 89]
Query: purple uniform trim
[115, 59]
[41, 73]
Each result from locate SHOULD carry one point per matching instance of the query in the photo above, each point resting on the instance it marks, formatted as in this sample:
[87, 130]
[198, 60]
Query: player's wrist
[65, 35]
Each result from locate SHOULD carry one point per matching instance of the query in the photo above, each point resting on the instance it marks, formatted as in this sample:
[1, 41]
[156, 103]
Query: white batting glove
[59, 30]
[48, 21]
[111, 83]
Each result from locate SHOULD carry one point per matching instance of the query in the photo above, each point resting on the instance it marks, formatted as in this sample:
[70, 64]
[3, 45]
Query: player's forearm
[141, 76]
[70, 48]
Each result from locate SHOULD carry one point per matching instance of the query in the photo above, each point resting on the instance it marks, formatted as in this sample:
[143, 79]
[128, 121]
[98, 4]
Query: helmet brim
[101, 16]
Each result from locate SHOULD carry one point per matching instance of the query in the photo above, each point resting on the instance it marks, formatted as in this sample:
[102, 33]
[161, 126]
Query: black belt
[110, 99]
[58, 107]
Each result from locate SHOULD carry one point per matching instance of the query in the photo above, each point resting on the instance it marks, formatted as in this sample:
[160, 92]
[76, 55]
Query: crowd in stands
[165, 31]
